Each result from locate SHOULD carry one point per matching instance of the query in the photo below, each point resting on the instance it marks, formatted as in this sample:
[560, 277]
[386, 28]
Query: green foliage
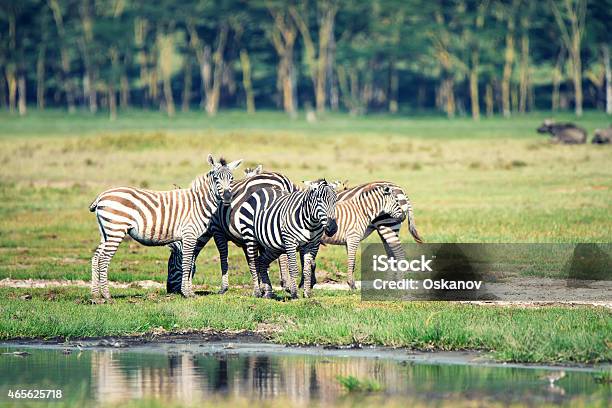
[353, 384]
[381, 54]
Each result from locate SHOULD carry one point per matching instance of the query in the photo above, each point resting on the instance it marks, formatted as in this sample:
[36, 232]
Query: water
[215, 373]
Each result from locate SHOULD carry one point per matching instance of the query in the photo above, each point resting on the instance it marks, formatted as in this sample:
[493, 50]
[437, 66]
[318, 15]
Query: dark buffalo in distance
[566, 133]
[602, 136]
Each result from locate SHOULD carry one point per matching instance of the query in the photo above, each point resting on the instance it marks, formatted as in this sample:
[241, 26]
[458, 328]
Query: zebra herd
[265, 214]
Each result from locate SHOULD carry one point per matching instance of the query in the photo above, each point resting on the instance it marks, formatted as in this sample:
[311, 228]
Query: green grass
[492, 181]
[552, 334]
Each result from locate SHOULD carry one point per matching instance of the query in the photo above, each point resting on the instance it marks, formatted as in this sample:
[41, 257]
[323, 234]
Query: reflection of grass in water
[353, 384]
[603, 377]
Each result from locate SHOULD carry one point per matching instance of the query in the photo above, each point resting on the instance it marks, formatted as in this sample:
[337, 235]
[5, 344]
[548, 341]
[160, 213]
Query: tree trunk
[286, 79]
[168, 98]
[212, 102]
[112, 102]
[283, 37]
[124, 91]
[393, 87]
[2, 91]
[489, 100]
[325, 32]
[21, 86]
[577, 75]
[65, 60]
[245, 63]
[334, 97]
[40, 77]
[448, 96]
[606, 57]
[556, 82]
[186, 85]
[507, 74]
[474, 85]
[11, 81]
[524, 73]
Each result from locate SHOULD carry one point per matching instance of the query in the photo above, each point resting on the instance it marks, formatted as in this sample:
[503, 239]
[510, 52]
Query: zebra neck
[306, 215]
[370, 204]
[205, 203]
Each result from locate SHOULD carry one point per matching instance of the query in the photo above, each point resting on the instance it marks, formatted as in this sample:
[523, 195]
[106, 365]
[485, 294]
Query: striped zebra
[379, 206]
[224, 225]
[158, 218]
[273, 222]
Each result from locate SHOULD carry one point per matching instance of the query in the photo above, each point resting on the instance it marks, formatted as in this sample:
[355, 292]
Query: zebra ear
[233, 165]
[335, 184]
[210, 160]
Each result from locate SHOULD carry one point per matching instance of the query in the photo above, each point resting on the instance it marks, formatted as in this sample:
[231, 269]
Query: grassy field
[492, 181]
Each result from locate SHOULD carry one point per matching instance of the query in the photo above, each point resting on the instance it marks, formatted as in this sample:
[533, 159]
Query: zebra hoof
[307, 295]
[294, 295]
[222, 291]
[188, 293]
[257, 293]
[269, 295]
[352, 285]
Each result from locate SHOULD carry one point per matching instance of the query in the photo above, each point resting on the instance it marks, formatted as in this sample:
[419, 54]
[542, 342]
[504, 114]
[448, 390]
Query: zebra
[224, 225]
[273, 222]
[158, 218]
[380, 206]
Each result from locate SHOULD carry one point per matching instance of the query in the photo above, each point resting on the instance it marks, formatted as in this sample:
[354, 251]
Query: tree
[571, 21]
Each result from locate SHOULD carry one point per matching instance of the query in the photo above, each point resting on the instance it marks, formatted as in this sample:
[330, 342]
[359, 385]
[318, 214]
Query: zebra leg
[95, 273]
[250, 251]
[283, 266]
[389, 235]
[106, 250]
[313, 278]
[175, 268]
[263, 263]
[189, 243]
[175, 263]
[352, 244]
[308, 265]
[221, 243]
[293, 270]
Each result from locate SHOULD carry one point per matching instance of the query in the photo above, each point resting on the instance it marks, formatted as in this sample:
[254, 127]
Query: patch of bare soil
[537, 292]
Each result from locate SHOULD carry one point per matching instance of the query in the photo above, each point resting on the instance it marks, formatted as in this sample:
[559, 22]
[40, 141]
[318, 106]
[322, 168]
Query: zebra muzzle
[331, 228]
[227, 197]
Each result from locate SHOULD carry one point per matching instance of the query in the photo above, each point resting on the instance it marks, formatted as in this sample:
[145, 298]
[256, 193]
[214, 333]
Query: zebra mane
[222, 161]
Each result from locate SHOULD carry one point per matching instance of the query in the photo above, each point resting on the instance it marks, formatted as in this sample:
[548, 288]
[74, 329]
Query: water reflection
[188, 375]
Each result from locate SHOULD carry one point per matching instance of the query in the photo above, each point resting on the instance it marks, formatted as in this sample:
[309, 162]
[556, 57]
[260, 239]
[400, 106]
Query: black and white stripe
[273, 222]
[379, 206]
[224, 224]
[158, 218]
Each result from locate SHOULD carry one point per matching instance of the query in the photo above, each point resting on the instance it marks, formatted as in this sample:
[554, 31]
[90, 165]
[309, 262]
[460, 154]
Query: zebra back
[228, 219]
[354, 193]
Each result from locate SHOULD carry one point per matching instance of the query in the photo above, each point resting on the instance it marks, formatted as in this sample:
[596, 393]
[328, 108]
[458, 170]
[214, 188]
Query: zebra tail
[94, 204]
[412, 226]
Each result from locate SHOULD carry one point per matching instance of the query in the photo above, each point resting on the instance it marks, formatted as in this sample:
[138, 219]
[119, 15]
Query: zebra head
[250, 172]
[321, 201]
[394, 202]
[221, 173]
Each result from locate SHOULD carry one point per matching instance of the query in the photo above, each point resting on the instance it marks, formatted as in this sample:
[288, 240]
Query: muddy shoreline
[236, 342]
